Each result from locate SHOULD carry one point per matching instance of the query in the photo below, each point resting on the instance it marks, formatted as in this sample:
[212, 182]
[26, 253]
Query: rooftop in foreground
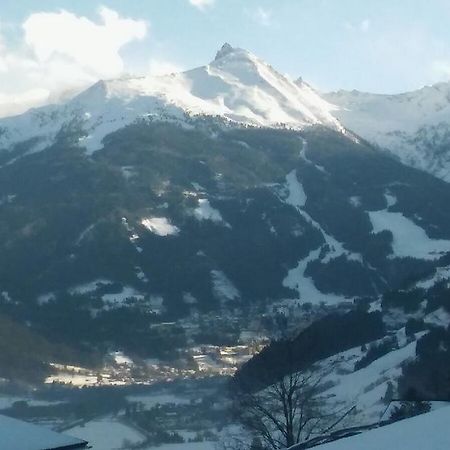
[427, 431]
[18, 435]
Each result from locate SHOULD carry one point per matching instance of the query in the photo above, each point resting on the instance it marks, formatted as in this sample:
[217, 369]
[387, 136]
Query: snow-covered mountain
[165, 199]
[414, 126]
[237, 86]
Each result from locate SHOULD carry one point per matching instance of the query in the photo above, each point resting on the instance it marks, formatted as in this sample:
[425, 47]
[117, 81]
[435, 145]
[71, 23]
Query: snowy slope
[365, 388]
[237, 86]
[427, 431]
[414, 126]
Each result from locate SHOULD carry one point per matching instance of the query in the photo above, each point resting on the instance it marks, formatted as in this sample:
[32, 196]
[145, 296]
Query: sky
[49, 47]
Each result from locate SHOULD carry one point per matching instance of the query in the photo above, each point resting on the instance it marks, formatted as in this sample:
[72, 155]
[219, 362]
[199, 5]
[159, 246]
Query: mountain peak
[225, 50]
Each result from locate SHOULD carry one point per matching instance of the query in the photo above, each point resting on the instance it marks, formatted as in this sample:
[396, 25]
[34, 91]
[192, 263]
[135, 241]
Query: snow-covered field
[409, 240]
[151, 400]
[107, 434]
[425, 432]
[8, 401]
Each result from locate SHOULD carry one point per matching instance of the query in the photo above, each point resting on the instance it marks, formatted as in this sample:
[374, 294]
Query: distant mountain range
[414, 126]
[151, 200]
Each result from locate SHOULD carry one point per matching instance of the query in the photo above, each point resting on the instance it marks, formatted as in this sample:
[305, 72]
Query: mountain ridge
[236, 85]
[412, 126]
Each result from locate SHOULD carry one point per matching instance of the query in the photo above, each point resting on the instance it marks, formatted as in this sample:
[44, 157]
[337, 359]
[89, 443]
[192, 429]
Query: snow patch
[355, 201]
[205, 211]
[43, 299]
[409, 240]
[439, 318]
[87, 288]
[121, 359]
[160, 226]
[118, 299]
[223, 288]
[295, 193]
[189, 299]
[441, 273]
[391, 200]
[307, 291]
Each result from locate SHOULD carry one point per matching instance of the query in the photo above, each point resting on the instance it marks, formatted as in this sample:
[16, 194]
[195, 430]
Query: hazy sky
[373, 45]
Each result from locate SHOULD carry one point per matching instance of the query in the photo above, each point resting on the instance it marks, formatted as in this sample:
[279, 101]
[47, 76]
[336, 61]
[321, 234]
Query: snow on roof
[427, 431]
[18, 435]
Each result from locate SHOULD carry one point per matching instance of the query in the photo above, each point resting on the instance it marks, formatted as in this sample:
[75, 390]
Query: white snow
[441, 273]
[18, 435]
[119, 298]
[391, 200]
[8, 401]
[293, 194]
[223, 287]
[4, 295]
[355, 201]
[440, 318]
[237, 86]
[160, 226]
[189, 299]
[307, 291]
[141, 275]
[364, 388]
[121, 359]
[296, 194]
[427, 431]
[108, 434]
[128, 172]
[156, 304]
[409, 240]
[84, 233]
[45, 298]
[197, 187]
[89, 287]
[205, 211]
[408, 125]
[151, 400]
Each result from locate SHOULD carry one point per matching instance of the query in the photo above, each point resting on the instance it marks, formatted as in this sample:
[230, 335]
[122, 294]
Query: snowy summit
[237, 86]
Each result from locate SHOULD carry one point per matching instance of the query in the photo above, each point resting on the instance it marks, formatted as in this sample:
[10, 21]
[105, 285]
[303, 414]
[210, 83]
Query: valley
[168, 240]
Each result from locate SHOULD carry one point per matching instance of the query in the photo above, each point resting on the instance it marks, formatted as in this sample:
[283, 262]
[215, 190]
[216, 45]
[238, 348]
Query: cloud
[440, 70]
[363, 26]
[263, 16]
[94, 47]
[162, 67]
[11, 104]
[60, 50]
[260, 15]
[202, 4]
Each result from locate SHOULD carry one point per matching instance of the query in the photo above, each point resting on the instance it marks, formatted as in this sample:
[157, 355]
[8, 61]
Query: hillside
[127, 206]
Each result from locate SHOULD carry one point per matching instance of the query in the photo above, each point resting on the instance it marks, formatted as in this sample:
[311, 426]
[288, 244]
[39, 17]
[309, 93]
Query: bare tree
[290, 411]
